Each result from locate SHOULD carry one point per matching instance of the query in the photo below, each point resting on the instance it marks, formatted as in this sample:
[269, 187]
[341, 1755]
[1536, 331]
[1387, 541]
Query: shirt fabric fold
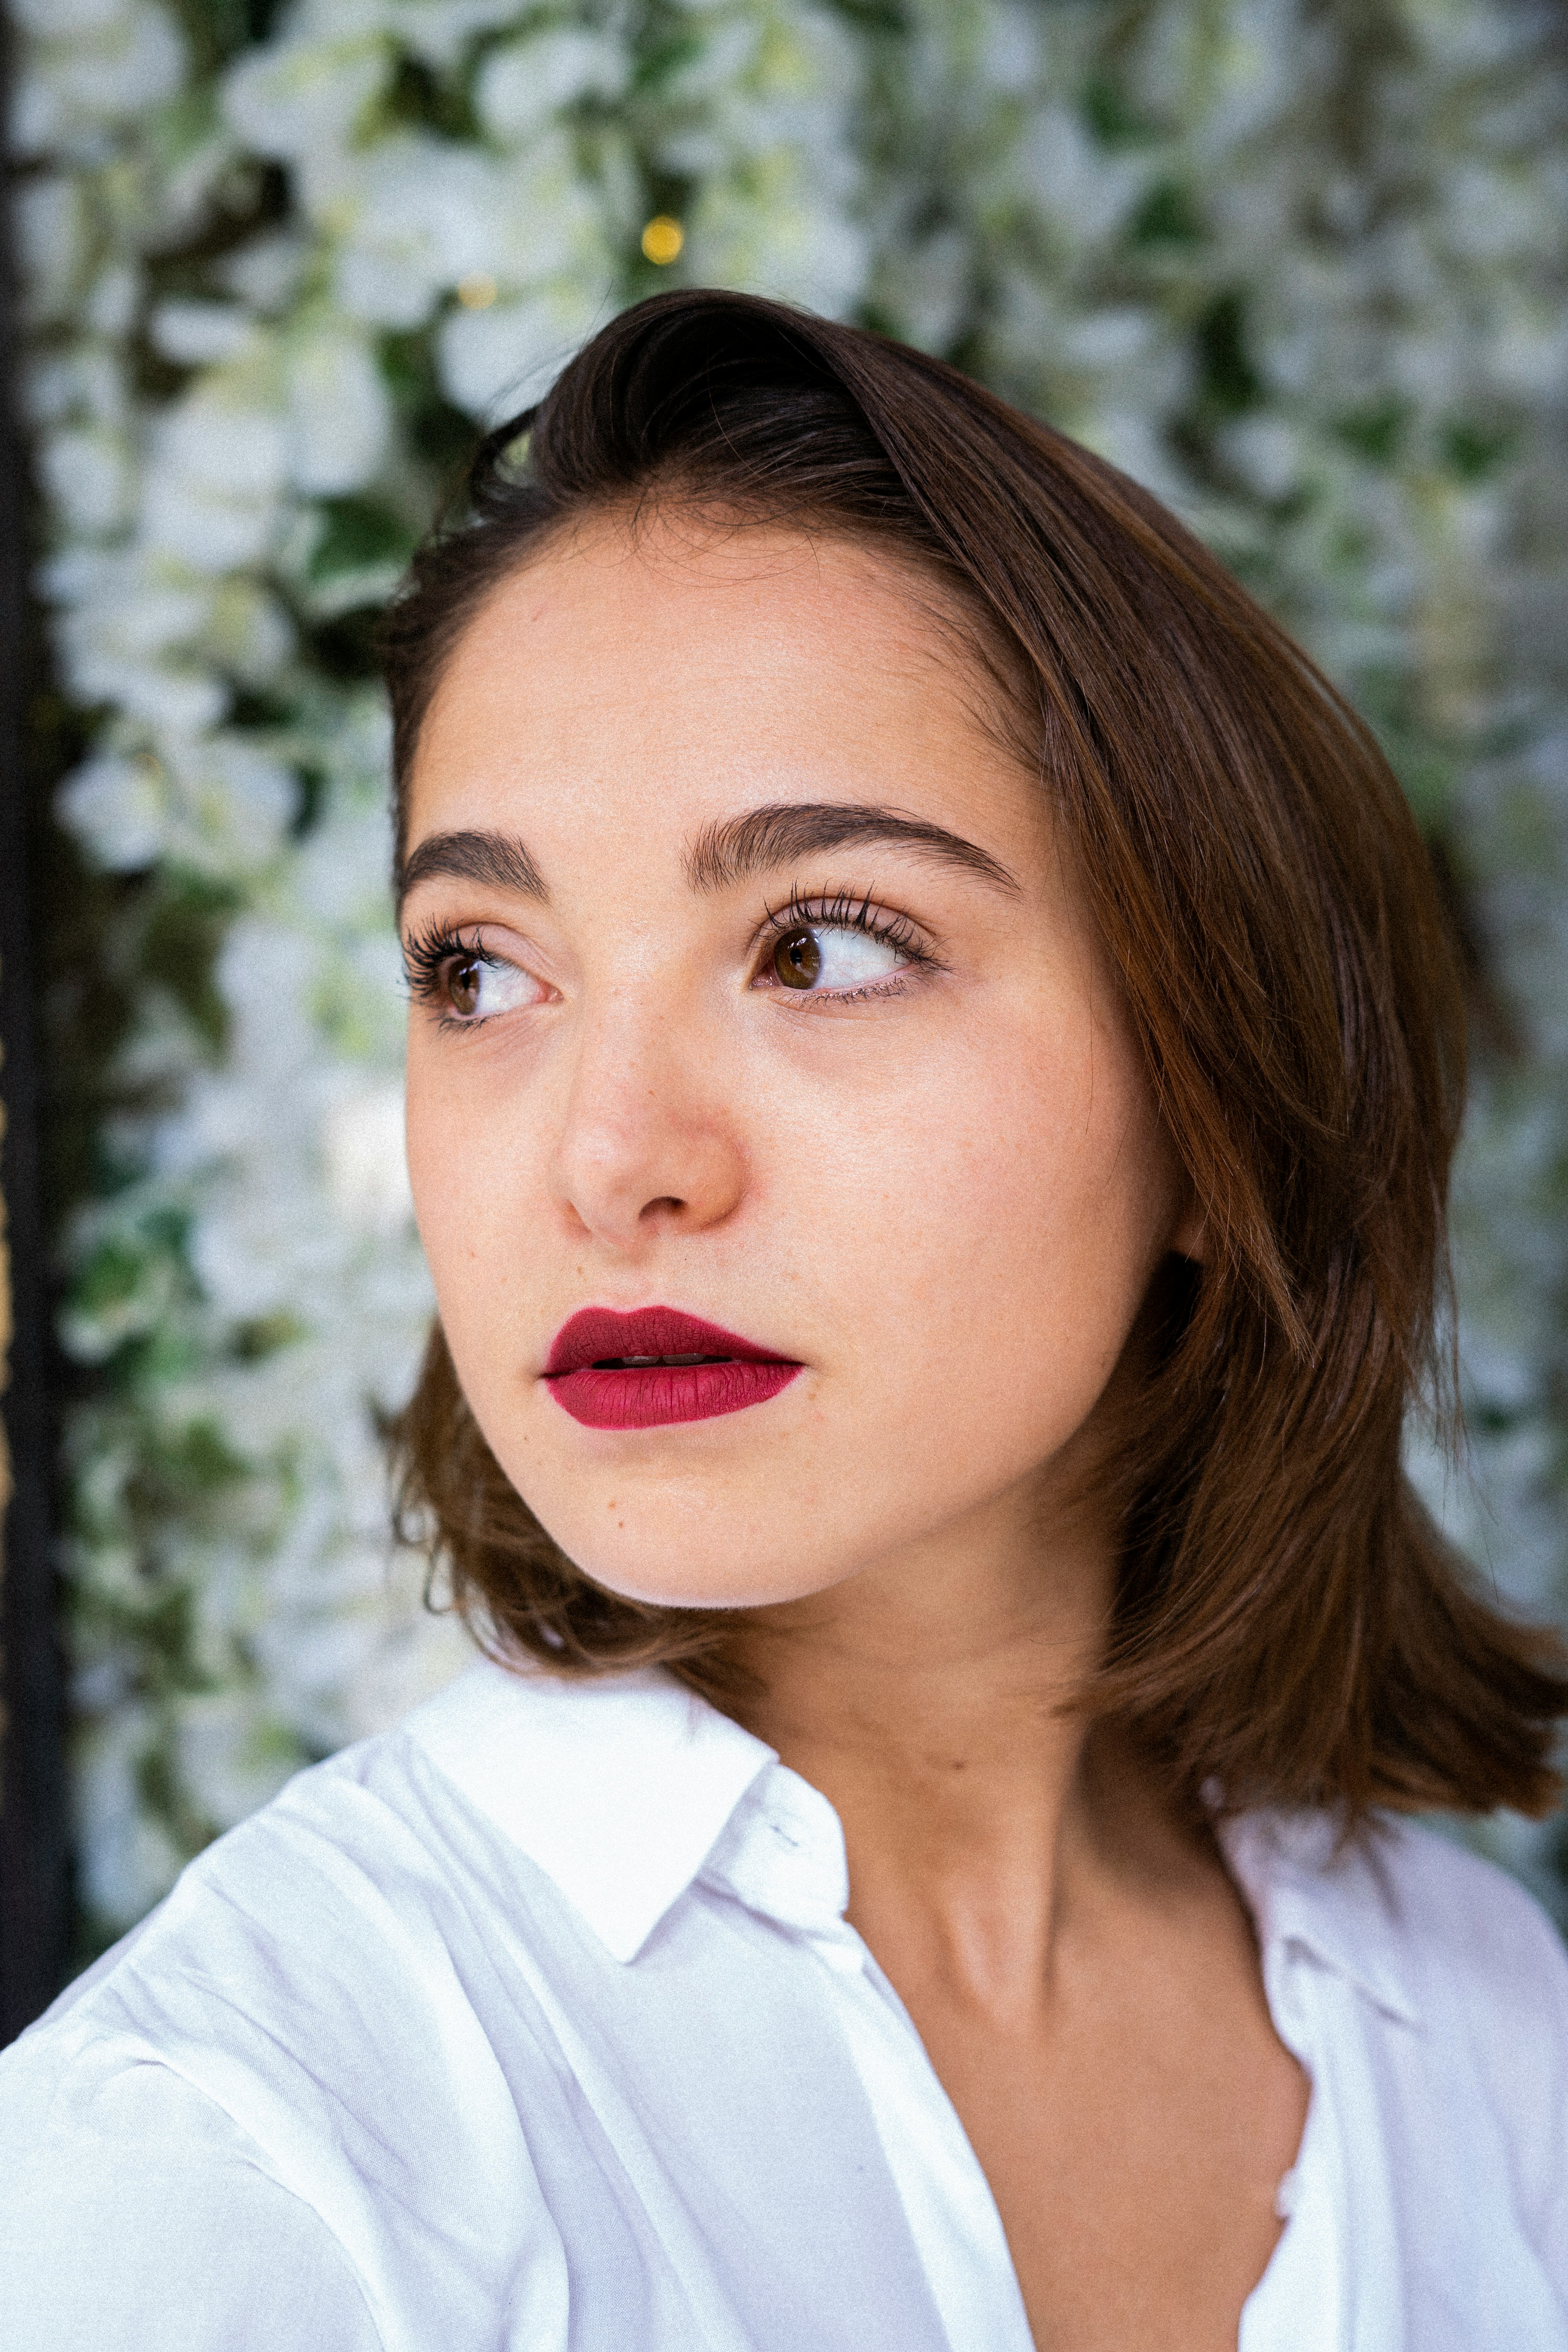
[538, 2024]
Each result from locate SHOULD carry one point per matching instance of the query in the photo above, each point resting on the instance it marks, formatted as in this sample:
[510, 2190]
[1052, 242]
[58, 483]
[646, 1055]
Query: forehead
[676, 672]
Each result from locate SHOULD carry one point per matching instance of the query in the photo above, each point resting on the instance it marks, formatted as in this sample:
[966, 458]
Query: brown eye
[463, 984]
[797, 958]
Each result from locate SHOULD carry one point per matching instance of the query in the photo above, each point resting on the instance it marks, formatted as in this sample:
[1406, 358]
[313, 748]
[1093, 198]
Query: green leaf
[1375, 430]
[1167, 216]
[356, 534]
[1472, 450]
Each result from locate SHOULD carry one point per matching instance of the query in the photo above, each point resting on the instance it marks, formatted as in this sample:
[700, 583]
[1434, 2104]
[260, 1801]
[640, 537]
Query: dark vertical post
[35, 1886]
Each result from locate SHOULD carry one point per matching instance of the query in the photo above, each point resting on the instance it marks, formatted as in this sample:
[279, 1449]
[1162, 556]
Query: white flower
[265, 275]
[439, 30]
[111, 301]
[267, 972]
[549, 222]
[115, 808]
[419, 215]
[1109, 338]
[772, 233]
[1086, 195]
[125, 613]
[82, 384]
[1491, 215]
[339, 417]
[521, 86]
[215, 473]
[1527, 355]
[340, 872]
[214, 442]
[1131, 440]
[296, 99]
[926, 287]
[90, 475]
[111, 69]
[212, 802]
[171, 699]
[73, 20]
[196, 334]
[1460, 40]
[128, 1860]
[435, 30]
[1009, 44]
[500, 359]
[1254, 71]
[408, 1659]
[231, 1756]
[236, 802]
[1266, 451]
[366, 1167]
[245, 630]
[49, 216]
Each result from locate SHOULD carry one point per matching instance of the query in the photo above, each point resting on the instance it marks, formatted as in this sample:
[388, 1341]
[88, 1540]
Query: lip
[588, 1376]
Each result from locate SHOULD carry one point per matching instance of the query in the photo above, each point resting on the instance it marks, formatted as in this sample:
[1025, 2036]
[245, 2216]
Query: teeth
[653, 1363]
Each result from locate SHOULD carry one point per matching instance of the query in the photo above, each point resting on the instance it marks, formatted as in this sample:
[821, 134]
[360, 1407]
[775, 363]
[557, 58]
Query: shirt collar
[1308, 1890]
[626, 1788]
[618, 1788]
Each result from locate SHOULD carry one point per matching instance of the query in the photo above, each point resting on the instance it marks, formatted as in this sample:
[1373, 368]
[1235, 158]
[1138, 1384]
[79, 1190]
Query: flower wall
[1296, 264]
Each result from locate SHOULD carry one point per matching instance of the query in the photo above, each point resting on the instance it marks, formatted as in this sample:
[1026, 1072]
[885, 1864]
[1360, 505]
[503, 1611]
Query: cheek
[957, 1244]
[469, 1172]
[998, 1266]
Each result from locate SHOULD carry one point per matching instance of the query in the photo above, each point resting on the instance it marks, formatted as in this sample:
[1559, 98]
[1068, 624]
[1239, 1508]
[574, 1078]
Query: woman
[932, 1073]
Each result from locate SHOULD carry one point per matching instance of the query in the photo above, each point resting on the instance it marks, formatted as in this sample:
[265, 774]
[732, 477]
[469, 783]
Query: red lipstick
[645, 1370]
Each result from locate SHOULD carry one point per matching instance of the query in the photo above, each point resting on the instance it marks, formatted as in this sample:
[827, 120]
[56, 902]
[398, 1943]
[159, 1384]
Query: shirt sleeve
[1496, 1992]
[135, 2213]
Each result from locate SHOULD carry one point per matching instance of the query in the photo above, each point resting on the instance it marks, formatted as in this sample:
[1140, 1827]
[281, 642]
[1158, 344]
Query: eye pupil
[797, 958]
[463, 984]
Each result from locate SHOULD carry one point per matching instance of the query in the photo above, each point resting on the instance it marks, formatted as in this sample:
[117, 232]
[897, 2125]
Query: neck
[930, 1699]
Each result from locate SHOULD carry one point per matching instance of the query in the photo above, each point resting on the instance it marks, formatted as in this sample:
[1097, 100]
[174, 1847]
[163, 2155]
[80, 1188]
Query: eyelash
[846, 912]
[427, 953]
[424, 955]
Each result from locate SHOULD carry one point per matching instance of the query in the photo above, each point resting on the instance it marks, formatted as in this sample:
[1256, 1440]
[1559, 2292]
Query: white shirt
[537, 2024]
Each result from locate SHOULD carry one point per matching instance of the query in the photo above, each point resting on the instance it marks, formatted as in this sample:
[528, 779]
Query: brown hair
[1289, 1621]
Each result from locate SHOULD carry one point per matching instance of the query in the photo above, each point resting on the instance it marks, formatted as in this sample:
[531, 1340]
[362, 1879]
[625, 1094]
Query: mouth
[657, 1366]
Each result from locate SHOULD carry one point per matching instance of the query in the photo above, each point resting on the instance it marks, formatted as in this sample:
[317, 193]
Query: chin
[727, 1587]
[664, 1571]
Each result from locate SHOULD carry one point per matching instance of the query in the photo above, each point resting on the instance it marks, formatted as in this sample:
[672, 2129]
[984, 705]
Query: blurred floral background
[1298, 265]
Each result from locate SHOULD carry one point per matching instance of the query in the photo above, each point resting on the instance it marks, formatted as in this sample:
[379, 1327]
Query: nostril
[664, 1201]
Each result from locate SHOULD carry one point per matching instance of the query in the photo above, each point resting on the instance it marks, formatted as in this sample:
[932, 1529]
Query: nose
[647, 1143]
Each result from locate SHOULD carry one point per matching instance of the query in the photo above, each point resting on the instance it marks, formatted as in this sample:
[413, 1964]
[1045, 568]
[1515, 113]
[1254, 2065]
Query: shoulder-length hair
[1288, 1623]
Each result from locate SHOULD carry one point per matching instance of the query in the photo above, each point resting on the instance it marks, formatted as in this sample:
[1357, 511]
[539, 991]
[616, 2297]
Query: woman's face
[749, 985]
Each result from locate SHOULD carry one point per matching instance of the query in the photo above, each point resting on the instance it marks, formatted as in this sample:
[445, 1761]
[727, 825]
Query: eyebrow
[495, 857]
[734, 848]
[724, 853]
